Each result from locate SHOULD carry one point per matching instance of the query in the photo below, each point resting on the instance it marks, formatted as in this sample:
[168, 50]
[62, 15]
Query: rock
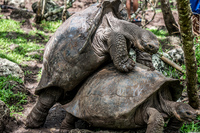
[20, 15]
[17, 3]
[53, 8]
[106, 131]
[4, 115]
[10, 68]
[174, 40]
[132, 54]
[159, 64]
[177, 55]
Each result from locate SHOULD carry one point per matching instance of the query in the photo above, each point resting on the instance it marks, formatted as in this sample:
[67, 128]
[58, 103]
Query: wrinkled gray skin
[114, 100]
[70, 57]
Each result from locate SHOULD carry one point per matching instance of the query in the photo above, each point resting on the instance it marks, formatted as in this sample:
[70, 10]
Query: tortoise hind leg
[46, 100]
[68, 123]
[155, 121]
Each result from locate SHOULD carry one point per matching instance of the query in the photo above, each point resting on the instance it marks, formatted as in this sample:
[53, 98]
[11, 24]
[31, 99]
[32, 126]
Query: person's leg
[135, 5]
[128, 8]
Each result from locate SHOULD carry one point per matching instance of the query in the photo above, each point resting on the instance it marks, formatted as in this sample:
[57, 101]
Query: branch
[171, 63]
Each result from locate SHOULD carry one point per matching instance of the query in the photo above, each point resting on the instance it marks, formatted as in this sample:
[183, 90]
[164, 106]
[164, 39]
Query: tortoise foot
[35, 119]
[126, 66]
[148, 64]
[64, 131]
[46, 100]
[68, 123]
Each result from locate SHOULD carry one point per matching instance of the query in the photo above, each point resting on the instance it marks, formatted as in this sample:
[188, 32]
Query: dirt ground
[57, 113]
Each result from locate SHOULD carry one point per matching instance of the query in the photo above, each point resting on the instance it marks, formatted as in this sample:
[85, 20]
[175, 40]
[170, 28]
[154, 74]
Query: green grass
[13, 100]
[191, 127]
[51, 26]
[8, 28]
[159, 33]
[11, 34]
[39, 75]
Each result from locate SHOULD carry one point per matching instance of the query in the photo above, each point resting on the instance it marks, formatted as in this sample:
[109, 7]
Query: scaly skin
[119, 53]
[144, 58]
[142, 39]
[155, 121]
[68, 123]
[46, 100]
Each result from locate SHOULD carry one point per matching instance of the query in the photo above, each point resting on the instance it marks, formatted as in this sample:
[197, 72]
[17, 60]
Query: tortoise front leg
[155, 121]
[46, 100]
[173, 126]
[68, 123]
[119, 52]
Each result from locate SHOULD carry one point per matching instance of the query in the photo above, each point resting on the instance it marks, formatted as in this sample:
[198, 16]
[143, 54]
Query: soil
[56, 113]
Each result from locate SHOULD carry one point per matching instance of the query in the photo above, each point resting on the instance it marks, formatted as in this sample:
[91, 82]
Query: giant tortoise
[83, 43]
[114, 100]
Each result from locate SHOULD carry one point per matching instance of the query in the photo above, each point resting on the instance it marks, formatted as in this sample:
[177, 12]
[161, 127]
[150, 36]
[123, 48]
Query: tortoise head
[147, 42]
[184, 112]
[114, 4]
[111, 2]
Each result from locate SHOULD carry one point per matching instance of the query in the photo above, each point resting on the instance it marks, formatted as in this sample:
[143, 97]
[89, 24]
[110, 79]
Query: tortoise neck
[170, 107]
[167, 106]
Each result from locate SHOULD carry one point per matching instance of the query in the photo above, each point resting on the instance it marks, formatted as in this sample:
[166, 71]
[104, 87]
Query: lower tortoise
[115, 100]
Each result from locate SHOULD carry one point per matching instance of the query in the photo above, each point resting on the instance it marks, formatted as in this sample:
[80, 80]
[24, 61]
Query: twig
[171, 63]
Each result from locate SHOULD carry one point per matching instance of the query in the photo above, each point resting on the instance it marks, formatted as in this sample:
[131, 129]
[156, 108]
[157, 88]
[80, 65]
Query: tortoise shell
[114, 96]
[62, 60]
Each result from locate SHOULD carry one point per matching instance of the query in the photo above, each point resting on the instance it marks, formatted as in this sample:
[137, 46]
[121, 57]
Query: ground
[57, 113]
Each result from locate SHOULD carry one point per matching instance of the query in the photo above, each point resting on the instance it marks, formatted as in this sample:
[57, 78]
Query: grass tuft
[13, 100]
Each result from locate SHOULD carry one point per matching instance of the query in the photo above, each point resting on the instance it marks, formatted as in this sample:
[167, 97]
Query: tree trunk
[170, 22]
[40, 11]
[189, 53]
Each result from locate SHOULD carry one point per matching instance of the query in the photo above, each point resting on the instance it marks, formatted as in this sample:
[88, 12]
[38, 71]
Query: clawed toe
[128, 65]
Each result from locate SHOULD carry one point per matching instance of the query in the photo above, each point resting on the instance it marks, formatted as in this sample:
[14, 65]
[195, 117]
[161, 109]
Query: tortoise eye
[188, 113]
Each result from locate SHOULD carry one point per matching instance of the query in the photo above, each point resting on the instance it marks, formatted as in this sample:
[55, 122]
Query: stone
[4, 115]
[174, 40]
[17, 3]
[10, 68]
[177, 55]
[159, 64]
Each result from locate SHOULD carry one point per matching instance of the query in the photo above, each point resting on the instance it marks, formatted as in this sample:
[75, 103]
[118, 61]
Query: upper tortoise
[80, 45]
[114, 100]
